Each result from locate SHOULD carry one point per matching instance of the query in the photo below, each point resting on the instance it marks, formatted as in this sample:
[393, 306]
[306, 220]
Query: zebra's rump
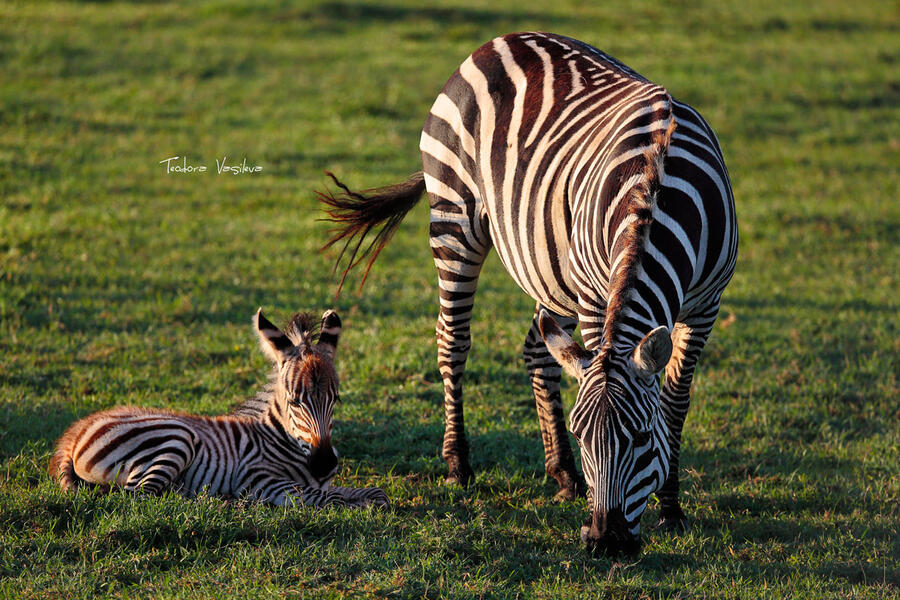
[109, 446]
[156, 449]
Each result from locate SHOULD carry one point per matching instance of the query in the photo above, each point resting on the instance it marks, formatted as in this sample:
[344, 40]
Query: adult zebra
[609, 203]
[275, 448]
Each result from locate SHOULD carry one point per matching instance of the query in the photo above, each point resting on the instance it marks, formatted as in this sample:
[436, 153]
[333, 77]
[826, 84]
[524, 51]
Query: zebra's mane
[303, 331]
[256, 406]
[641, 201]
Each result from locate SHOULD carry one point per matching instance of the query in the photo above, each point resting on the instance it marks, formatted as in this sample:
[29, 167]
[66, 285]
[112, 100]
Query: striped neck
[256, 407]
[620, 245]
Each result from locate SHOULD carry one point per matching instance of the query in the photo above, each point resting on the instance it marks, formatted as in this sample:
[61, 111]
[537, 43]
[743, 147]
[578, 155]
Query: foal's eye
[295, 401]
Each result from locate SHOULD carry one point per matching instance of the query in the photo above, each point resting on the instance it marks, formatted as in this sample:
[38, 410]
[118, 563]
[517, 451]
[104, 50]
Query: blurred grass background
[121, 284]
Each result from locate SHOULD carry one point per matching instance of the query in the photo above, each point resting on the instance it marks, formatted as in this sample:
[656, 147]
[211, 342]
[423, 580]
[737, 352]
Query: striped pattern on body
[275, 448]
[609, 203]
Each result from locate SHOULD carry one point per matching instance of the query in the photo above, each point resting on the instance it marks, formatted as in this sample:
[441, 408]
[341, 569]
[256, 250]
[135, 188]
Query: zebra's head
[306, 383]
[619, 426]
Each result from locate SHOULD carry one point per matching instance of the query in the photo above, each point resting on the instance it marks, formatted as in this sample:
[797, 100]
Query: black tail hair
[358, 213]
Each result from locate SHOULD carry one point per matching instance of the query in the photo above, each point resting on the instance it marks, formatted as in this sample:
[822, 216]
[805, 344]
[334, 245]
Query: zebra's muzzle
[322, 461]
[608, 535]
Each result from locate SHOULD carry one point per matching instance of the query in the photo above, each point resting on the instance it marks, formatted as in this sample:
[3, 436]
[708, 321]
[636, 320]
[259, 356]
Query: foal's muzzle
[322, 461]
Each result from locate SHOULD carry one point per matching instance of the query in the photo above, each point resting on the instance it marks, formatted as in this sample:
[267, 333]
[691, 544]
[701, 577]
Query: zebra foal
[274, 448]
[608, 202]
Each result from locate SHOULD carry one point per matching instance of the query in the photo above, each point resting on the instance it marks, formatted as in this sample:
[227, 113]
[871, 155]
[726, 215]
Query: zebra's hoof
[378, 499]
[460, 477]
[673, 522]
[564, 495]
[571, 484]
[567, 493]
[380, 502]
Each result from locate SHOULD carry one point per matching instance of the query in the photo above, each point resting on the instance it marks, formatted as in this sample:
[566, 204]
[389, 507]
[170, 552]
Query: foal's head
[306, 385]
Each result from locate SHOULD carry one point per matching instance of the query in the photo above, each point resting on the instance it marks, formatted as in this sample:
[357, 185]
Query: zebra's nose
[606, 533]
[322, 461]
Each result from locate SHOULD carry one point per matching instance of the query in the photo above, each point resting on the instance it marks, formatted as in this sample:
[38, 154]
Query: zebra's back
[542, 135]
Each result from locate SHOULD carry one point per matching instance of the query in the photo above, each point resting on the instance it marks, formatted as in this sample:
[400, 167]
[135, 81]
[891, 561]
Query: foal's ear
[273, 342]
[567, 352]
[331, 331]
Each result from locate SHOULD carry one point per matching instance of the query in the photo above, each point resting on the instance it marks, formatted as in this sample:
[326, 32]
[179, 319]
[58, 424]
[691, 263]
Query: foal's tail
[357, 213]
[62, 465]
[62, 469]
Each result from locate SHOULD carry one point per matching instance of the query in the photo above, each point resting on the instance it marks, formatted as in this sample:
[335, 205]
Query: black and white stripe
[275, 448]
[609, 203]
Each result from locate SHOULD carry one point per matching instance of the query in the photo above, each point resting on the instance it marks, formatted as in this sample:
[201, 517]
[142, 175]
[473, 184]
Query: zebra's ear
[273, 342]
[331, 331]
[573, 358]
[653, 352]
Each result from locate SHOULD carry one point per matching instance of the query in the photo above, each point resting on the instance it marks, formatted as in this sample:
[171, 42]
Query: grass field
[121, 284]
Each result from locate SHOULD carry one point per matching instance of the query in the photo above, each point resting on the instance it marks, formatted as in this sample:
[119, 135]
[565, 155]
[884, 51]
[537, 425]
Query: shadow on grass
[769, 527]
[768, 568]
[124, 304]
[109, 304]
[347, 15]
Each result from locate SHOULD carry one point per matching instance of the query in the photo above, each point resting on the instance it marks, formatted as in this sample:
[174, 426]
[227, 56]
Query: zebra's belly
[538, 262]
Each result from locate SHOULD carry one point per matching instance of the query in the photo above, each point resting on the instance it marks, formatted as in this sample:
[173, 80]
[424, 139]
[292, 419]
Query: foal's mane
[303, 330]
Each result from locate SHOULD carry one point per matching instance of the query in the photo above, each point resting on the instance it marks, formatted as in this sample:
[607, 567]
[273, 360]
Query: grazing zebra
[609, 203]
[275, 448]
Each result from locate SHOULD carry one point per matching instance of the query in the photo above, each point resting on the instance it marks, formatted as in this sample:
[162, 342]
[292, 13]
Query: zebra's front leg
[687, 344]
[362, 497]
[285, 492]
[545, 373]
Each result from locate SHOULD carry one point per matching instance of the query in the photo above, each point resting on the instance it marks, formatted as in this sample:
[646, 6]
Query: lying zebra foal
[274, 448]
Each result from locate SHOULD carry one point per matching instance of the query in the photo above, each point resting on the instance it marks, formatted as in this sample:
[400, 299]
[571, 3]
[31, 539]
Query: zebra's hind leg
[460, 244]
[158, 473]
[545, 373]
[687, 344]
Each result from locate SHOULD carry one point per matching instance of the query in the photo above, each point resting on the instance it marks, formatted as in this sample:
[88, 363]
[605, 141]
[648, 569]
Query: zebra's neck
[611, 241]
[270, 416]
[257, 406]
[626, 318]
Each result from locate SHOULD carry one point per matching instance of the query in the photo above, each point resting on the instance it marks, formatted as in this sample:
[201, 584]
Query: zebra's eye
[641, 438]
[296, 401]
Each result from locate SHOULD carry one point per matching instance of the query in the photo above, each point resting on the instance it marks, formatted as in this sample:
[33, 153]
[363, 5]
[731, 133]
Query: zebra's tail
[356, 214]
[62, 469]
[62, 464]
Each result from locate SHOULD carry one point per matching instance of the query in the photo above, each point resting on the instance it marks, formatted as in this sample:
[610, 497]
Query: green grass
[120, 284]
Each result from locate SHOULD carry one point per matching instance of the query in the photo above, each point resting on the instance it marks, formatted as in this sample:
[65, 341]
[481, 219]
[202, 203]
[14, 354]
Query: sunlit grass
[120, 284]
